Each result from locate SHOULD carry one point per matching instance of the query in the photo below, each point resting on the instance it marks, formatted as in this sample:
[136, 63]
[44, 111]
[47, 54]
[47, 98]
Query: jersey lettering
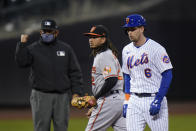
[93, 69]
[131, 64]
[93, 81]
[148, 73]
[92, 78]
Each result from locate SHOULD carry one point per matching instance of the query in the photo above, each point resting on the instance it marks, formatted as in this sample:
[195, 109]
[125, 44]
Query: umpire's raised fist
[24, 38]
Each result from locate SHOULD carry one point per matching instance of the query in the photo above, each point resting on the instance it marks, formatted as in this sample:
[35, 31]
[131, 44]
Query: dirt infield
[25, 113]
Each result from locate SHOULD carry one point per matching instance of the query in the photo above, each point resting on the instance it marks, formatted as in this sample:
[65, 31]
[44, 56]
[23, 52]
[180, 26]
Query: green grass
[183, 123]
[176, 123]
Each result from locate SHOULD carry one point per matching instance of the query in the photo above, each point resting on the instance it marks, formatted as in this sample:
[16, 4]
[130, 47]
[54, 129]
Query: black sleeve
[22, 56]
[75, 74]
[108, 85]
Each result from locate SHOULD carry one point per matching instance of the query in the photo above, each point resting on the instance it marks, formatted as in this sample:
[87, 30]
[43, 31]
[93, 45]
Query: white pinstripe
[139, 82]
[138, 115]
[137, 62]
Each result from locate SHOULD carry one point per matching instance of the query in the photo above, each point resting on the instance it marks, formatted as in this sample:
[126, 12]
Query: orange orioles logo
[107, 70]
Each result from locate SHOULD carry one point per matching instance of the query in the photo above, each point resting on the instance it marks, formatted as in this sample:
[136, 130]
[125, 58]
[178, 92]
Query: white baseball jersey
[145, 65]
[106, 65]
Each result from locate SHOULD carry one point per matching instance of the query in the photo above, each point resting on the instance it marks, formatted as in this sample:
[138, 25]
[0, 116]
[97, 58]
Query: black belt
[144, 94]
[114, 91]
[110, 93]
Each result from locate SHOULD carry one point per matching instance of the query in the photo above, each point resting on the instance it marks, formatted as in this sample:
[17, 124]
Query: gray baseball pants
[50, 107]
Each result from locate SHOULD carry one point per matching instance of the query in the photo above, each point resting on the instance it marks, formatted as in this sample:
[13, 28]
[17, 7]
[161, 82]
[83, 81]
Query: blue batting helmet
[135, 20]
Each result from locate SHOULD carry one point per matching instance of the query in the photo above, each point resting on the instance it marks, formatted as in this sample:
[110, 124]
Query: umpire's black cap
[98, 31]
[48, 24]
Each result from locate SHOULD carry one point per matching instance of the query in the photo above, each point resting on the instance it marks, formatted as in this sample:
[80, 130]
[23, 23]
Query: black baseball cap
[48, 24]
[98, 30]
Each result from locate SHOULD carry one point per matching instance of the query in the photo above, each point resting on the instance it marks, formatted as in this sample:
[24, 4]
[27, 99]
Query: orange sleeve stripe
[110, 76]
[127, 96]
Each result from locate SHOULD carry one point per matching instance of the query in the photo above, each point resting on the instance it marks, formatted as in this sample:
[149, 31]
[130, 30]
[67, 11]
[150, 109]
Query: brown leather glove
[83, 102]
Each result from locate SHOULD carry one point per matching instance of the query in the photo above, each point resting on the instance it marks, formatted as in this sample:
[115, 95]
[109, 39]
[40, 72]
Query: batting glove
[155, 107]
[125, 105]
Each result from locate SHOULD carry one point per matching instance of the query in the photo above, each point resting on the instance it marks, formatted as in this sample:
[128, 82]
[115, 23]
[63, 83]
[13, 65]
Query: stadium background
[171, 23]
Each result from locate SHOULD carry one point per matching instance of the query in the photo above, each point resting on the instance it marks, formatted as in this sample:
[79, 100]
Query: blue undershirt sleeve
[165, 84]
[127, 83]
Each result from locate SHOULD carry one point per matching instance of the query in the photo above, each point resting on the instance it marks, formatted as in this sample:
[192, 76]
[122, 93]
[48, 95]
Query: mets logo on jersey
[166, 59]
[140, 61]
[107, 70]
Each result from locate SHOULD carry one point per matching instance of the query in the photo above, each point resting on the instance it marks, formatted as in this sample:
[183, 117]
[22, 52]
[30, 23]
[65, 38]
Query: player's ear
[142, 28]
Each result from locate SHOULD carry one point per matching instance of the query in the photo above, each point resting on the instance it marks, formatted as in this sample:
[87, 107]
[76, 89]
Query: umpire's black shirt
[54, 67]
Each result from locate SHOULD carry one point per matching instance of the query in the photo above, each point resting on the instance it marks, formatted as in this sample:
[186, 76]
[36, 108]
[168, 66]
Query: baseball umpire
[55, 76]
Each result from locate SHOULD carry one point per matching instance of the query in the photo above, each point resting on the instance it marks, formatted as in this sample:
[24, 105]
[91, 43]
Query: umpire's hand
[24, 38]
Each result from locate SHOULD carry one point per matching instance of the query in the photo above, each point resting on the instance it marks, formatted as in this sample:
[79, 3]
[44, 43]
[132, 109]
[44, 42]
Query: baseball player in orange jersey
[147, 72]
[107, 83]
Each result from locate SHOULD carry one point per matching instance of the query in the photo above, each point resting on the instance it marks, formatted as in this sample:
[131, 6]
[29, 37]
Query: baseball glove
[83, 102]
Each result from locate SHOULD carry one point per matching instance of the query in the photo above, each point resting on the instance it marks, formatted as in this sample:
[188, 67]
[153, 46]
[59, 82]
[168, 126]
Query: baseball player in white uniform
[107, 83]
[147, 73]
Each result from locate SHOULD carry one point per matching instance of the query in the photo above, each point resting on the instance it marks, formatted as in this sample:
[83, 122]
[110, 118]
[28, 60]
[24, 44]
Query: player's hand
[24, 38]
[83, 102]
[74, 99]
[89, 112]
[155, 107]
[125, 105]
